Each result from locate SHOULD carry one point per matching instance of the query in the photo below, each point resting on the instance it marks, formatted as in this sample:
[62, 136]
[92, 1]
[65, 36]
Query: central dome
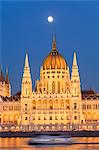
[54, 59]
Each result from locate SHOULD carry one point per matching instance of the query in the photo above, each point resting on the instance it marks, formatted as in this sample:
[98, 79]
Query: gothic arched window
[26, 91]
[62, 103]
[75, 106]
[50, 117]
[47, 88]
[51, 104]
[53, 87]
[58, 87]
[75, 90]
[44, 103]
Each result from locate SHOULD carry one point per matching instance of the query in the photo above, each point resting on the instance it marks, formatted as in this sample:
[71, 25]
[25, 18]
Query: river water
[22, 144]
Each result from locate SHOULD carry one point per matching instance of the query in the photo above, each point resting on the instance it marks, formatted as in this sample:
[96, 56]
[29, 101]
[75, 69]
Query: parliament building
[56, 104]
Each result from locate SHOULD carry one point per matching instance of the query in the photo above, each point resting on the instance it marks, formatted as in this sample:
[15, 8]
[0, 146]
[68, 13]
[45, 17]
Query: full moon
[50, 19]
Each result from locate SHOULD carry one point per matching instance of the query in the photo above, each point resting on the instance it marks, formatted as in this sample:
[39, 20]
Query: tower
[5, 88]
[26, 95]
[75, 79]
[1, 74]
[7, 85]
[76, 94]
[2, 83]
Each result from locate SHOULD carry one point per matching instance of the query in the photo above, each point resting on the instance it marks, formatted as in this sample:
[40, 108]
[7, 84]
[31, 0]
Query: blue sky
[24, 26]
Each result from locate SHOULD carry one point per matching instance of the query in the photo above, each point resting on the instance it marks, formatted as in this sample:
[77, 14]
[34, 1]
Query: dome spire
[54, 42]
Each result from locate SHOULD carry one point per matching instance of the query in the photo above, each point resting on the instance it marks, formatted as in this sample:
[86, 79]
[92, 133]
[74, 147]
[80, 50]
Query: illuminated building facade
[57, 102]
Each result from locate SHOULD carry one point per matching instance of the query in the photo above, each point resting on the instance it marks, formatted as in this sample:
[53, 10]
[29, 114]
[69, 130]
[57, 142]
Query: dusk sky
[24, 27]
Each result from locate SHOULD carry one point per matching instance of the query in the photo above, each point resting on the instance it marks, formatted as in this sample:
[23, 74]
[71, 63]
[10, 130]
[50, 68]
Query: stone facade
[57, 102]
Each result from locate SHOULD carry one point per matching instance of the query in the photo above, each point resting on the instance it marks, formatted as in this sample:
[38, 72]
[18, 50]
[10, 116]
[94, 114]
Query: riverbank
[66, 133]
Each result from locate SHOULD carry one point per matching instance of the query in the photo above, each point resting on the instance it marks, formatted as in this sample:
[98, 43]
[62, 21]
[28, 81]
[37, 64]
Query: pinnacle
[7, 77]
[75, 60]
[26, 60]
[1, 74]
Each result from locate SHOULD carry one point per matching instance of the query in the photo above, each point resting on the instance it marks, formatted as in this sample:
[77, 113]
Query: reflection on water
[22, 144]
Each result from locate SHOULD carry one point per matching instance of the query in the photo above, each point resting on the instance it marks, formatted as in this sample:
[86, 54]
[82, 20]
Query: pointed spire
[1, 74]
[26, 80]
[54, 42]
[7, 77]
[75, 60]
[75, 72]
[26, 66]
[75, 78]
[26, 60]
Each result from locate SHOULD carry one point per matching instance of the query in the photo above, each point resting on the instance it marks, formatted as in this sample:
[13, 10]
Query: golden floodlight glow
[57, 103]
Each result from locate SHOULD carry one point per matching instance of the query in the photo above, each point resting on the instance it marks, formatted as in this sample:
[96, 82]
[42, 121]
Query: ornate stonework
[57, 102]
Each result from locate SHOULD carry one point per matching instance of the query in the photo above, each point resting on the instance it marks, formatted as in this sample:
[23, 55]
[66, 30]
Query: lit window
[68, 107]
[62, 103]
[26, 91]
[67, 118]
[44, 118]
[39, 118]
[58, 86]
[84, 106]
[50, 117]
[33, 118]
[34, 107]
[75, 117]
[53, 87]
[88, 106]
[75, 89]
[10, 107]
[75, 106]
[56, 118]
[51, 107]
[25, 118]
[62, 118]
